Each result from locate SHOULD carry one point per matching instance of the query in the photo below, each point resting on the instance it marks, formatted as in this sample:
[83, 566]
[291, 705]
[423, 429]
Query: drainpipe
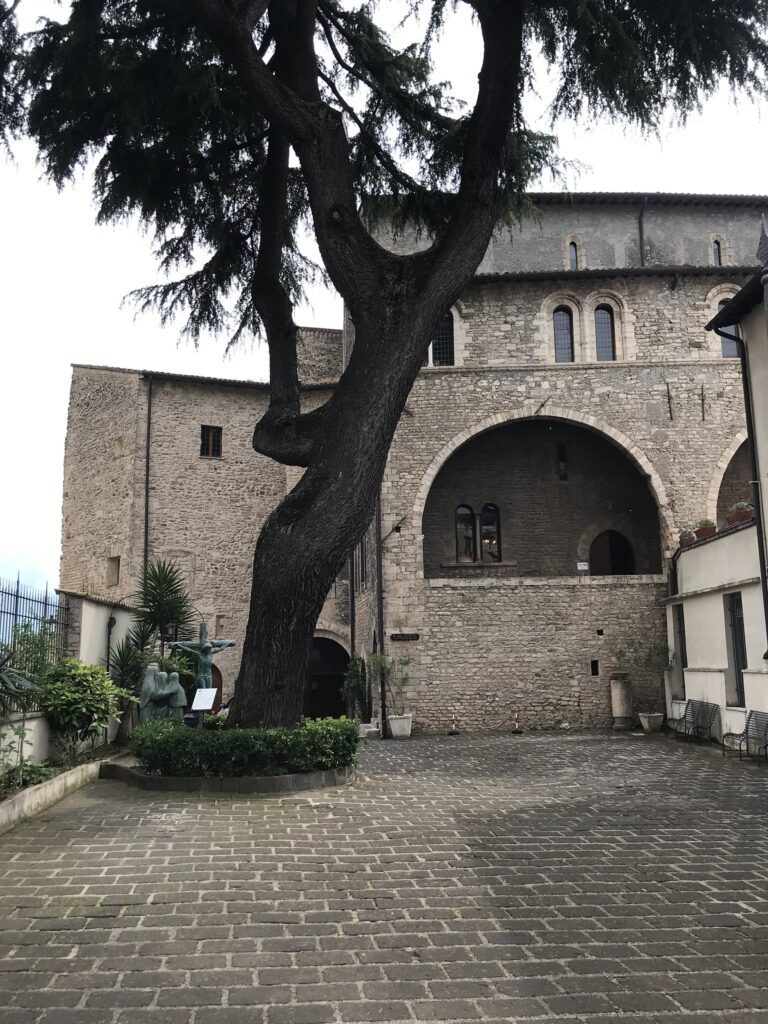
[151, 382]
[641, 230]
[756, 493]
[352, 609]
[380, 615]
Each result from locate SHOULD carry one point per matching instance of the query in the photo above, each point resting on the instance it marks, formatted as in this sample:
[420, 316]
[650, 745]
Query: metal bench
[755, 732]
[696, 721]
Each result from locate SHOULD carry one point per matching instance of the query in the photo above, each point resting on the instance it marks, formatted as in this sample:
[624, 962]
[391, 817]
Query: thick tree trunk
[306, 540]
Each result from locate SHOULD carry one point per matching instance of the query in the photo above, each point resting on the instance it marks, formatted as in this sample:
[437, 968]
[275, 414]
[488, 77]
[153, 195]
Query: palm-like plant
[164, 603]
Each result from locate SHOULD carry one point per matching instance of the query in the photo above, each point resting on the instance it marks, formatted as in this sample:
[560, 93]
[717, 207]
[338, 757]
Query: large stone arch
[531, 411]
[720, 470]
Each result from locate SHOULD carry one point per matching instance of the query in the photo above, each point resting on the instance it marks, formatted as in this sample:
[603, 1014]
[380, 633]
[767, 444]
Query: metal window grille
[736, 623]
[563, 325]
[573, 256]
[682, 645]
[442, 343]
[605, 334]
[33, 625]
[465, 534]
[490, 534]
[210, 442]
[729, 349]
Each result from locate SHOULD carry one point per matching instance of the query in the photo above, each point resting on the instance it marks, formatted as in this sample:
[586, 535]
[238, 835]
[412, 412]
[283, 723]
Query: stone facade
[667, 413]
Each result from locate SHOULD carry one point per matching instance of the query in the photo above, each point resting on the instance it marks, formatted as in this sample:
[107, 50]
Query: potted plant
[740, 512]
[652, 717]
[705, 528]
[636, 659]
[687, 537]
[396, 679]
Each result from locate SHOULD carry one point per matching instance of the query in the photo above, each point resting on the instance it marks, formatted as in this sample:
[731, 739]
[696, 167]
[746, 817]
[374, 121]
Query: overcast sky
[62, 280]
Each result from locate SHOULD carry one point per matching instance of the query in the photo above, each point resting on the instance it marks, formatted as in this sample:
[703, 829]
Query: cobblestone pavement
[568, 878]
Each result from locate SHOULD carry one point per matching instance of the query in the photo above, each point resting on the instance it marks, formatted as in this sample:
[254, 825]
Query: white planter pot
[651, 721]
[399, 726]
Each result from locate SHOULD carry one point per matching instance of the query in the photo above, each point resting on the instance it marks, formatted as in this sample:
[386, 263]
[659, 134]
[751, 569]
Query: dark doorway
[324, 695]
[611, 554]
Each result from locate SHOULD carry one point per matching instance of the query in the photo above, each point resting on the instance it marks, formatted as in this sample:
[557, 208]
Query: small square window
[210, 442]
[113, 571]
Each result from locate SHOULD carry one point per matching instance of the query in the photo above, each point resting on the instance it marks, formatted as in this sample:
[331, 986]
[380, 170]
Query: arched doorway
[611, 554]
[324, 695]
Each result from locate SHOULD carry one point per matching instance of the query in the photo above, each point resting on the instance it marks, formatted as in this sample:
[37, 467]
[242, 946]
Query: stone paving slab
[568, 878]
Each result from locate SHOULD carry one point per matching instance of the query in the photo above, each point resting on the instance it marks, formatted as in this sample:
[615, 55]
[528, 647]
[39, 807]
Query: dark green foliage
[165, 607]
[79, 701]
[25, 774]
[10, 89]
[357, 690]
[171, 748]
[179, 143]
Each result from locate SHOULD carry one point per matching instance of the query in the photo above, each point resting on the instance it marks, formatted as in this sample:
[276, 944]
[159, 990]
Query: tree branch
[283, 433]
[495, 115]
[354, 262]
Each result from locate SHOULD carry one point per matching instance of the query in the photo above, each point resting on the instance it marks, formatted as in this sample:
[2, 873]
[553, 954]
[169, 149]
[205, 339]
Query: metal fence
[33, 627]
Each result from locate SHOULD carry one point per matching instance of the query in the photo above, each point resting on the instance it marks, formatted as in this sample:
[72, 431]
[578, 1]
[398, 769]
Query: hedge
[171, 748]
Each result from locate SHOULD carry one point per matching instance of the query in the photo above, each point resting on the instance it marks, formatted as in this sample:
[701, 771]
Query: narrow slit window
[210, 442]
[717, 254]
[490, 534]
[563, 326]
[442, 343]
[113, 571]
[465, 534]
[605, 334]
[573, 256]
[729, 349]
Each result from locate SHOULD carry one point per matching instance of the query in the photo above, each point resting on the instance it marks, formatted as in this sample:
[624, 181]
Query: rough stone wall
[320, 354]
[470, 630]
[548, 516]
[501, 645]
[660, 317]
[608, 235]
[736, 484]
[206, 513]
[99, 465]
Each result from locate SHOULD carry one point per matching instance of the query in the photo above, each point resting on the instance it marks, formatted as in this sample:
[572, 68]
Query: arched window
[729, 349]
[563, 324]
[605, 334]
[611, 554]
[490, 534]
[717, 254]
[573, 256]
[465, 534]
[441, 349]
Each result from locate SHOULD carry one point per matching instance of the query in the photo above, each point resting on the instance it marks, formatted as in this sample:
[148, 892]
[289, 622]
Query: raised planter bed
[30, 801]
[266, 784]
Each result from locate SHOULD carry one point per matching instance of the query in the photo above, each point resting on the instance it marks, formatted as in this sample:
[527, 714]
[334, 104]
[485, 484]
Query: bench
[696, 721]
[755, 731]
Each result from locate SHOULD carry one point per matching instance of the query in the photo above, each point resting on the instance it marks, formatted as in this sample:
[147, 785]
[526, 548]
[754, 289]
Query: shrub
[79, 701]
[171, 748]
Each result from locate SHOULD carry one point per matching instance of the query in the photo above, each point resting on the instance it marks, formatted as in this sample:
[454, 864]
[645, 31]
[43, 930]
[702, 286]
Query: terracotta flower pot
[705, 531]
[741, 515]
[686, 539]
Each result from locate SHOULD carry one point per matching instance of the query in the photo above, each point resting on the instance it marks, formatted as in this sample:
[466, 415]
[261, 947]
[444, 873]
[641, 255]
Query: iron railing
[33, 626]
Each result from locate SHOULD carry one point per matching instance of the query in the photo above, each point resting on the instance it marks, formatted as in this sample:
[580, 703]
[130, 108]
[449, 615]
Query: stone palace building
[572, 417]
